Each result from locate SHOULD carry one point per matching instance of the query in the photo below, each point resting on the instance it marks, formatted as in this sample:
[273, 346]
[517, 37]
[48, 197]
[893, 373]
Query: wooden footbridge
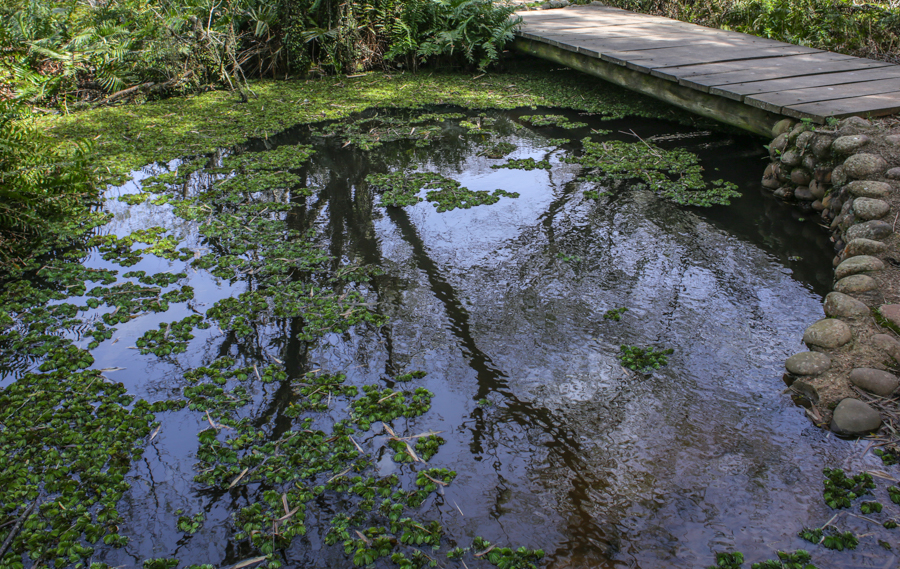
[743, 80]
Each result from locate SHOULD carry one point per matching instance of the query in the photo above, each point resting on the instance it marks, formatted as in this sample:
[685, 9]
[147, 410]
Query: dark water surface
[597, 465]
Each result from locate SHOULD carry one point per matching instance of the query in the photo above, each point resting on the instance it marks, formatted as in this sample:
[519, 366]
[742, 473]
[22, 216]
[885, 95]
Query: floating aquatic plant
[800, 559]
[674, 174]
[728, 560]
[615, 314]
[402, 188]
[498, 150]
[558, 121]
[595, 194]
[841, 490]
[524, 164]
[643, 359]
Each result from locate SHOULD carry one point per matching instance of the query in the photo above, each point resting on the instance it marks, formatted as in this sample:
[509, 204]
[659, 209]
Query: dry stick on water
[650, 148]
[877, 523]
[16, 528]
[248, 562]
[486, 551]
[438, 482]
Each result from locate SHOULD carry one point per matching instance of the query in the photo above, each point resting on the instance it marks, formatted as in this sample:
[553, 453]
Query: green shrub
[72, 50]
[42, 181]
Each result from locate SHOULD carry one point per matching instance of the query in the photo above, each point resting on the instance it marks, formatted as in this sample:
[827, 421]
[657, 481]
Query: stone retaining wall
[849, 174]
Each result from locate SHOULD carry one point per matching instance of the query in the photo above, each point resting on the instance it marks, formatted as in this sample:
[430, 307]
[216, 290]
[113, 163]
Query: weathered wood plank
[597, 48]
[740, 90]
[874, 105]
[681, 56]
[650, 40]
[584, 35]
[630, 43]
[776, 101]
[645, 29]
[704, 76]
[721, 82]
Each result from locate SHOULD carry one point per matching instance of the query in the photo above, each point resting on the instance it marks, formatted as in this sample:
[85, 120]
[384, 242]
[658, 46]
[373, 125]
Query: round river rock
[887, 344]
[891, 313]
[817, 189]
[801, 176]
[869, 189]
[862, 166]
[869, 230]
[839, 176]
[874, 380]
[855, 284]
[868, 208]
[851, 122]
[803, 193]
[791, 158]
[864, 247]
[803, 140]
[849, 144]
[858, 264]
[821, 145]
[853, 417]
[782, 127]
[840, 305]
[827, 333]
[808, 363]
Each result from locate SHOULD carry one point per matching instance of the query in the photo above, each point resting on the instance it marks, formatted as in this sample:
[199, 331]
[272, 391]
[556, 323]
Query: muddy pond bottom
[518, 312]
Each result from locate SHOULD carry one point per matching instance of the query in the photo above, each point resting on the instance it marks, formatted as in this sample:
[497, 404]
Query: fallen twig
[16, 528]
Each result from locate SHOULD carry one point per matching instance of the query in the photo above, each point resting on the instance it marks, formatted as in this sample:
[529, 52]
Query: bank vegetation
[66, 55]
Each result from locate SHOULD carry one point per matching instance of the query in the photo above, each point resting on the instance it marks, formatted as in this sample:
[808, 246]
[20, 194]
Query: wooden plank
[678, 57]
[874, 105]
[652, 38]
[608, 13]
[596, 49]
[741, 90]
[776, 101]
[703, 77]
[722, 81]
[651, 32]
[577, 25]
[801, 61]
[630, 43]
[637, 32]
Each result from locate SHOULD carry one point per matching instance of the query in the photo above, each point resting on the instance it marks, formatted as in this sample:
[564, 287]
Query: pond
[303, 285]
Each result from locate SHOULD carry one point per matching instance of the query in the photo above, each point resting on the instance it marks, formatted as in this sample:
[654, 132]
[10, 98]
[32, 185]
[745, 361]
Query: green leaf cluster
[841, 490]
[643, 359]
[673, 174]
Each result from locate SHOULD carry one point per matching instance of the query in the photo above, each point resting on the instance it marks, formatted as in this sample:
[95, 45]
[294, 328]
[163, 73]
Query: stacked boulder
[844, 173]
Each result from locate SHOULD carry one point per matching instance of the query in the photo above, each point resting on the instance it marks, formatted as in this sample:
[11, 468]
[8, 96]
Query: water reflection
[600, 466]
